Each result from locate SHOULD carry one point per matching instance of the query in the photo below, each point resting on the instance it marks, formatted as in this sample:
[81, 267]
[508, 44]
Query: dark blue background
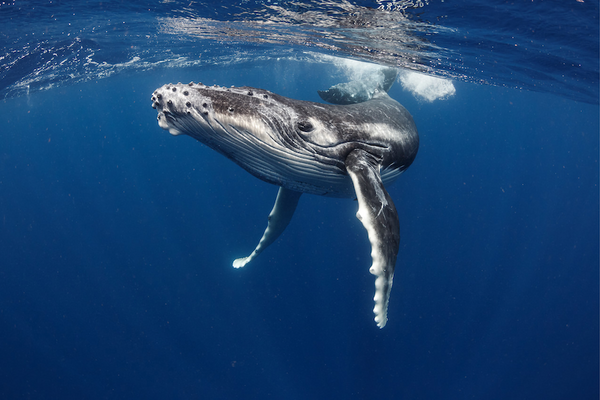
[116, 243]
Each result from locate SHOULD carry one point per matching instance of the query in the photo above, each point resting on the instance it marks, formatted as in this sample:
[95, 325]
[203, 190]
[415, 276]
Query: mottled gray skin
[346, 150]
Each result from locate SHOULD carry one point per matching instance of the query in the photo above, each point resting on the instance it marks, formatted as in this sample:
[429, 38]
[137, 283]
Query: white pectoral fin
[279, 218]
[378, 215]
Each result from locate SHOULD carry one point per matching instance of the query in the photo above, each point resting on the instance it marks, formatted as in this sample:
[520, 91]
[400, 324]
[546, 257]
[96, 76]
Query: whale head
[273, 137]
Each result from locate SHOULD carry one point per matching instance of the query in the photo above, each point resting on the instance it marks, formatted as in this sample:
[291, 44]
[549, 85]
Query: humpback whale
[353, 148]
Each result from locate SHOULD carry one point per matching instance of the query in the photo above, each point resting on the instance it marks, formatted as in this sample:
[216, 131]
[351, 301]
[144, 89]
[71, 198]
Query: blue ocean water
[116, 239]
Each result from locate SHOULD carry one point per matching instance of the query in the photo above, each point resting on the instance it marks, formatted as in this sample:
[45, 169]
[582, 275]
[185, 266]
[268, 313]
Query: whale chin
[163, 122]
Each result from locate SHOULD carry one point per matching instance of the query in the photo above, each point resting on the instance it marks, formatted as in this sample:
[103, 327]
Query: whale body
[352, 148]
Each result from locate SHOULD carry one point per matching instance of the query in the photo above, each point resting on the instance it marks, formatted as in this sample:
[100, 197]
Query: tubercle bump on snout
[171, 100]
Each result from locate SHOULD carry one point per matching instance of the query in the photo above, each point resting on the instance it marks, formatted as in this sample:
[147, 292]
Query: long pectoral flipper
[378, 215]
[279, 218]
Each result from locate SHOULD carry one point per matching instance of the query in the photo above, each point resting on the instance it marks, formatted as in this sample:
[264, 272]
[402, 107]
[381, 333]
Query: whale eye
[305, 126]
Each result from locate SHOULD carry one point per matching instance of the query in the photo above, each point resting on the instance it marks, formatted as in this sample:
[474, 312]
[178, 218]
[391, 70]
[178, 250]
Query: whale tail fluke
[361, 90]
